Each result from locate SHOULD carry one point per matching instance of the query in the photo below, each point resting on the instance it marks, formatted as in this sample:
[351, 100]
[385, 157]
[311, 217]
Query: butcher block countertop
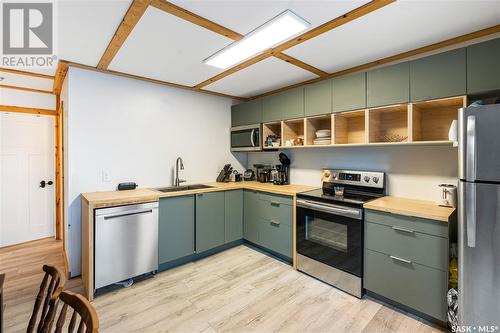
[116, 198]
[411, 207]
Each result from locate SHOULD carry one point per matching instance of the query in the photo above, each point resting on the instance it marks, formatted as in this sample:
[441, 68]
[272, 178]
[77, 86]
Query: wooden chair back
[89, 322]
[53, 281]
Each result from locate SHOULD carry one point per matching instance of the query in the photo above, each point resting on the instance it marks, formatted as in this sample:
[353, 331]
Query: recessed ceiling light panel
[281, 28]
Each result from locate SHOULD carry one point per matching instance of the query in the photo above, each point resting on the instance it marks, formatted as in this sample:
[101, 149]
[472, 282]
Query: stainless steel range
[330, 227]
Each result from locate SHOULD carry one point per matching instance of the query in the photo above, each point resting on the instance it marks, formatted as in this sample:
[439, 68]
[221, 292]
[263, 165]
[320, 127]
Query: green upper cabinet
[483, 67]
[318, 98]
[349, 92]
[210, 229]
[438, 76]
[388, 85]
[233, 215]
[176, 228]
[286, 105]
[247, 113]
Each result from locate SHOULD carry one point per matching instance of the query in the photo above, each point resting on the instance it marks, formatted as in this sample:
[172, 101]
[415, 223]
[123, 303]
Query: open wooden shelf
[431, 120]
[387, 124]
[315, 124]
[293, 129]
[268, 129]
[350, 127]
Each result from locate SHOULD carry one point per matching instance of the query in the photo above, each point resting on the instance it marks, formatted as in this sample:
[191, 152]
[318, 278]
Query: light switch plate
[106, 177]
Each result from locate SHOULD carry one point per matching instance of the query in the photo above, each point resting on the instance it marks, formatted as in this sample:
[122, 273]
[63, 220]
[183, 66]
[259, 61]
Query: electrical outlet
[106, 177]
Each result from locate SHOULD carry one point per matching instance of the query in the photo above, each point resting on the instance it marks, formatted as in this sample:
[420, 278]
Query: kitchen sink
[182, 188]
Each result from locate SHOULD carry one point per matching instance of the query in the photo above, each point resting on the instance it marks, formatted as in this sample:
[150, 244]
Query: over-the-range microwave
[246, 138]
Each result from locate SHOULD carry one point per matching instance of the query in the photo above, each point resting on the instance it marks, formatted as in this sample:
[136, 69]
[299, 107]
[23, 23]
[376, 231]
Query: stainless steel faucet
[177, 180]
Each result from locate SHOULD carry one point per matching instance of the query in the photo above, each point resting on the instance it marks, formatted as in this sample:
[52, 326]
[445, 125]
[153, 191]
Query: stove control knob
[375, 179]
[367, 179]
[334, 176]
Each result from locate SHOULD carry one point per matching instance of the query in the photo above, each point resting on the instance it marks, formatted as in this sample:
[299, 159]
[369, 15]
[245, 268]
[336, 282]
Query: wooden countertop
[411, 207]
[116, 198]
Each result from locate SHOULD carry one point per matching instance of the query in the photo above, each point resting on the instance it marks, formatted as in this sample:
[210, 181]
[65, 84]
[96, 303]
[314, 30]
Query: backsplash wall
[412, 171]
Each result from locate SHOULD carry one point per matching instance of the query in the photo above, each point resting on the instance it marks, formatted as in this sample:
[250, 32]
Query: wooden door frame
[59, 158]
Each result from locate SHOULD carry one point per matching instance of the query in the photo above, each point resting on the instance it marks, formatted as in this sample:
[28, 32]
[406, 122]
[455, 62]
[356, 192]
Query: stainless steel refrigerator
[479, 216]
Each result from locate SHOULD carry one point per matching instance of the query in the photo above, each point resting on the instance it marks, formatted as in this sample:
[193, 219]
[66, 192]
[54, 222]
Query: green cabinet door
[286, 105]
[388, 85]
[483, 67]
[349, 92]
[209, 221]
[176, 228]
[318, 98]
[251, 216]
[438, 76]
[233, 215]
[247, 113]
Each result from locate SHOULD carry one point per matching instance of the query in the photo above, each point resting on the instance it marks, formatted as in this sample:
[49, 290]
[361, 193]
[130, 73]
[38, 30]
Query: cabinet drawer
[416, 286]
[436, 228]
[277, 212]
[276, 237]
[418, 247]
[276, 199]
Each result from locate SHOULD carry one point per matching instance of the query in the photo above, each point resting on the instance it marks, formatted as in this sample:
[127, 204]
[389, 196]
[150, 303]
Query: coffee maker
[283, 171]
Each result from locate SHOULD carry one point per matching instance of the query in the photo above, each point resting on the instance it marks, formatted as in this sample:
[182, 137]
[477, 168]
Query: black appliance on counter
[330, 227]
[283, 171]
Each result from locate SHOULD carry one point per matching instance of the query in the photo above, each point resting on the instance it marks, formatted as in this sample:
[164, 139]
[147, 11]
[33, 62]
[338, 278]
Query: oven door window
[331, 239]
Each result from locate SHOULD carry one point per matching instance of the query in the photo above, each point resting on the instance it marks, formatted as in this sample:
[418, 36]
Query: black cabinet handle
[43, 183]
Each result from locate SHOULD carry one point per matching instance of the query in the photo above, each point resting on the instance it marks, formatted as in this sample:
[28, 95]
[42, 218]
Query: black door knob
[43, 183]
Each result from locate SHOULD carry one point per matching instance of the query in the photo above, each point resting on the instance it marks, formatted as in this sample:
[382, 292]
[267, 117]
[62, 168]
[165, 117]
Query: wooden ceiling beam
[19, 72]
[133, 15]
[221, 30]
[68, 64]
[325, 27]
[19, 109]
[394, 58]
[5, 86]
[62, 70]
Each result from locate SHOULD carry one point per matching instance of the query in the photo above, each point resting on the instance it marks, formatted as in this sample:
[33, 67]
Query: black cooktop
[350, 198]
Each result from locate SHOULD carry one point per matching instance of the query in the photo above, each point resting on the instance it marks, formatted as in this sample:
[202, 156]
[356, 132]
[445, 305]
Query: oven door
[246, 138]
[331, 234]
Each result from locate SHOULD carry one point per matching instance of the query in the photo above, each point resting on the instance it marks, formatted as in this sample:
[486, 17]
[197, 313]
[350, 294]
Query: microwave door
[479, 148]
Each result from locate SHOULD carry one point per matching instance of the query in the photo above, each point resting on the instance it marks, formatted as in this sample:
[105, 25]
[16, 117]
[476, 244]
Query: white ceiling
[167, 48]
[244, 16]
[398, 27]
[266, 75]
[25, 81]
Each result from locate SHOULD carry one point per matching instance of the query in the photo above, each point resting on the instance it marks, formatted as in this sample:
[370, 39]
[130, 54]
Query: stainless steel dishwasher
[126, 243]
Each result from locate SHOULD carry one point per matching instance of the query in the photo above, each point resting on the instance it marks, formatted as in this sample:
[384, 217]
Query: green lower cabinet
[251, 216]
[233, 215]
[483, 67]
[349, 92]
[176, 228]
[417, 286]
[210, 230]
[276, 236]
[438, 76]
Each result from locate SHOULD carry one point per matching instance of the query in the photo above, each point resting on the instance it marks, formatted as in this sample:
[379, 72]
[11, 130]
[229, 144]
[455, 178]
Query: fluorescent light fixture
[281, 28]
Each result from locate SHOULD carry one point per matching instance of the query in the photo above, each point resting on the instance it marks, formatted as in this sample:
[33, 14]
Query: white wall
[412, 172]
[27, 99]
[134, 131]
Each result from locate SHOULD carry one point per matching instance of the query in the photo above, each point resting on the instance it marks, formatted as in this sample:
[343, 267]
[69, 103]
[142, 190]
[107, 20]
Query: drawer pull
[275, 203]
[403, 230]
[274, 222]
[400, 259]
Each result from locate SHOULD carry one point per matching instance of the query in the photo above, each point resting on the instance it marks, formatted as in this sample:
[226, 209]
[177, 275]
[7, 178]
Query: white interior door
[27, 157]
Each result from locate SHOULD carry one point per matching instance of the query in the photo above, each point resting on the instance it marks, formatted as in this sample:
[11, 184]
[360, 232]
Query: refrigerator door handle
[470, 214]
[471, 149]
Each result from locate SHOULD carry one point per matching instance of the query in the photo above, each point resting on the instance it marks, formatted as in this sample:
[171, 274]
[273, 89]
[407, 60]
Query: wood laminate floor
[238, 290]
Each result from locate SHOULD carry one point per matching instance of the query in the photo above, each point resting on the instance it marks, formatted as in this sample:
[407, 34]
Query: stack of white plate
[323, 137]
